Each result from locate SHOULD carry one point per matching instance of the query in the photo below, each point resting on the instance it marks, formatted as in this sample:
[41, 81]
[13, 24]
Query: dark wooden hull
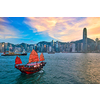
[30, 70]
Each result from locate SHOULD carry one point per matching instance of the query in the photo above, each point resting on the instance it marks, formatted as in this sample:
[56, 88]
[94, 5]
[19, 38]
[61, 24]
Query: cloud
[2, 20]
[65, 28]
[7, 31]
[6, 37]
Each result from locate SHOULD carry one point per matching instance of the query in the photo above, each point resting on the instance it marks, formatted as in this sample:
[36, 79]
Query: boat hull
[30, 70]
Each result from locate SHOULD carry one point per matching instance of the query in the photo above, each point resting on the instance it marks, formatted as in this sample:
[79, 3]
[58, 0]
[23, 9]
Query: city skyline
[31, 30]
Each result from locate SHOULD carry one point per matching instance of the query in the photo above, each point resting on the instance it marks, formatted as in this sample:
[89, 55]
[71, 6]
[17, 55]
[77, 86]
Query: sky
[32, 30]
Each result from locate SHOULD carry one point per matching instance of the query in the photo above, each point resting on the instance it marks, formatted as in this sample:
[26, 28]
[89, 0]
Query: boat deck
[32, 64]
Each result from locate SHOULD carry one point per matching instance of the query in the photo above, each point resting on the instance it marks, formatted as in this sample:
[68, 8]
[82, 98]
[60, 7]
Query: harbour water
[61, 68]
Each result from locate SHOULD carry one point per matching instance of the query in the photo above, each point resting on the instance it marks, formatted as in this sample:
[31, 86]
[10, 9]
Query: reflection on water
[89, 69]
[29, 78]
[61, 68]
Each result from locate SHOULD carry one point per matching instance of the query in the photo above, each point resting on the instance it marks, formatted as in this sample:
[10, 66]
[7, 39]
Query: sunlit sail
[42, 57]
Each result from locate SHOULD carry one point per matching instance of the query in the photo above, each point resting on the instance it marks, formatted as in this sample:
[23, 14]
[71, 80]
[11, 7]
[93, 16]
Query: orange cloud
[66, 28]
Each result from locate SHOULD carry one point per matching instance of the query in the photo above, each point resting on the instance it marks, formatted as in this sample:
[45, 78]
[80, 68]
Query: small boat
[33, 65]
[13, 54]
[51, 52]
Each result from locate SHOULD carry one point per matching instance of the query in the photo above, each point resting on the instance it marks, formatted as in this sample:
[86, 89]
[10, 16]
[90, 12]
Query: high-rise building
[42, 48]
[3, 48]
[49, 48]
[97, 41]
[39, 47]
[57, 44]
[52, 45]
[81, 47]
[11, 48]
[17, 49]
[5, 45]
[0, 47]
[84, 40]
[25, 47]
[73, 47]
[35, 47]
[31, 48]
[45, 48]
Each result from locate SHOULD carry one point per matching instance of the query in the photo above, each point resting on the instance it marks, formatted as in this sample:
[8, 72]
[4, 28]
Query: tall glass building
[84, 40]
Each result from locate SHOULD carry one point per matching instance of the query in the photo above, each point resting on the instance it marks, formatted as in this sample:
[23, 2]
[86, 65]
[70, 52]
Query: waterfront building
[60, 48]
[31, 48]
[47, 48]
[64, 47]
[99, 46]
[0, 47]
[18, 49]
[67, 47]
[97, 40]
[3, 47]
[35, 47]
[81, 47]
[7, 49]
[25, 47]
[57, 46]
[73, 47]
[84, 40]
[52, 45]
[50, 48]
[39, 47]
[92, 47]
[44, 48]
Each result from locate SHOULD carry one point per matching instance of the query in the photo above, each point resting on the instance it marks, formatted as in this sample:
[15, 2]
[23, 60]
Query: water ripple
[61, 68]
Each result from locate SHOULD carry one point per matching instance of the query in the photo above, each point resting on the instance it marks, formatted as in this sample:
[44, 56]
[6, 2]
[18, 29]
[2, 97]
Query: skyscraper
[52, 45]
[73, 47]
[57, 43]
[84, 40]
[96, 41]
[0, 47]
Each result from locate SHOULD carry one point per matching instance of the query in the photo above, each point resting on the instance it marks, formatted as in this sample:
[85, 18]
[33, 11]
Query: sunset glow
[65, 29]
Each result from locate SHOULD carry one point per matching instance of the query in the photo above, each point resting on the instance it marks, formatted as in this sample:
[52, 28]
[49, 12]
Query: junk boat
[33, 65]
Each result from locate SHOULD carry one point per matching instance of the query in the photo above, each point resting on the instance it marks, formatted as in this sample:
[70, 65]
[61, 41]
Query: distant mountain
[90, 41]
[44, 42]
[48, 43]
[81, 41]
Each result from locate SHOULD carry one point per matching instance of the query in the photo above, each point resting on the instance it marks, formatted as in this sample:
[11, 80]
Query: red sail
[33, 57]
[42, 57]
[18, 60]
